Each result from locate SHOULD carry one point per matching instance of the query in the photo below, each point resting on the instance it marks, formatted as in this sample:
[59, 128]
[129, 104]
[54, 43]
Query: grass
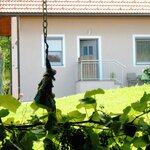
[114, 100]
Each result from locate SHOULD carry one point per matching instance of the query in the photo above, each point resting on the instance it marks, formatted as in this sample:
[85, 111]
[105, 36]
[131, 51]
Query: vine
[77, 130]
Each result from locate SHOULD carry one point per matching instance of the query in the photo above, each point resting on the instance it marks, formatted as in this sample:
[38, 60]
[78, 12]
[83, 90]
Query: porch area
[106, 74]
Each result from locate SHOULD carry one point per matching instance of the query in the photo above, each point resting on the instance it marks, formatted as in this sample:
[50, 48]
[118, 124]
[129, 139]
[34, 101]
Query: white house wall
[116, 43]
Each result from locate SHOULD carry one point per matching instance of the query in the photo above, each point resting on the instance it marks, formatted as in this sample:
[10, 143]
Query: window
[56, 50]
[142, 50]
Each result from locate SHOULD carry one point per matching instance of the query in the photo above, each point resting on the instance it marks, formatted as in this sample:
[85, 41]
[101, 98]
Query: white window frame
[63, 49]
[99, 49]
[134, 49]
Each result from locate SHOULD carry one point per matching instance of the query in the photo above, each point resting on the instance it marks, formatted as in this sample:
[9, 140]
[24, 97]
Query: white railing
[101, 70]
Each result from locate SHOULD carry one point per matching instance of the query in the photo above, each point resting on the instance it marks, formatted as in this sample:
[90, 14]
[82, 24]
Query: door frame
[99, 50]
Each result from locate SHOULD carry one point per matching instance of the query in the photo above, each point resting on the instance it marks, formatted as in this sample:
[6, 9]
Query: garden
[100, 119]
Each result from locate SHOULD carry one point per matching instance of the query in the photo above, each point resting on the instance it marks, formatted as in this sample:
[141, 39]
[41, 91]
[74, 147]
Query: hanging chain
[45, 25]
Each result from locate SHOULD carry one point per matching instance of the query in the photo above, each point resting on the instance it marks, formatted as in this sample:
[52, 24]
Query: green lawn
[114, 100]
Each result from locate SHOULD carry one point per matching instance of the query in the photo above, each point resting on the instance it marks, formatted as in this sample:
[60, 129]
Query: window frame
[134, 50]
[59, 36]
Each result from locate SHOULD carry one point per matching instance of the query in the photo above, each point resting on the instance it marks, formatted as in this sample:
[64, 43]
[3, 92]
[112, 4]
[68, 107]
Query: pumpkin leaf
[4, 113]
[9, 102]
[93, 92]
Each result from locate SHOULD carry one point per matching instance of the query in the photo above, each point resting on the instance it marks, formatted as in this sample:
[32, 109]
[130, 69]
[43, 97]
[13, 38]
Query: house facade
[92, 44]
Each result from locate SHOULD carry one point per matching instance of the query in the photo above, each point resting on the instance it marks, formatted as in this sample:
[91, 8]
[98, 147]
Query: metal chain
[45, 25]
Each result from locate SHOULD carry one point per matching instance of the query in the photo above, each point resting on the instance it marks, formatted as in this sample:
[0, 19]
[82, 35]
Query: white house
[92, 43]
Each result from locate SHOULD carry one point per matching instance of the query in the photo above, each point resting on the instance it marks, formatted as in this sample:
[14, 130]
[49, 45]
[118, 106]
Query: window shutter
[5, 26]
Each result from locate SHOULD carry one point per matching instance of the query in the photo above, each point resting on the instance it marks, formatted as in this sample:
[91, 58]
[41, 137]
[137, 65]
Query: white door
[89, 59]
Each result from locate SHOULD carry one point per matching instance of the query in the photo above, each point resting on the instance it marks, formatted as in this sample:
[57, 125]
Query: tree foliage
[77, 130]
[5, 50]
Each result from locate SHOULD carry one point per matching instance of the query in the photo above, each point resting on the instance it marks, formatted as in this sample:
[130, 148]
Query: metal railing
[101, 70]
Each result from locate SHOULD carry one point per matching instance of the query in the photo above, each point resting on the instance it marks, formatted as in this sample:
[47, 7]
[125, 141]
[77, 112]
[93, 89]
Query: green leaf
[27, 141]
[144, 125]
[116, 126]
[94, 138]
[139, 106]
[87, 103]
[95, 116]
[141, 141]
[4, 113]
[145, 77]
[124, 118]
[34, 106]
[9, 102]
[127, 110]
[88, 100]
[76, 115]
[145, 98]
[94, 92]
[126, 146]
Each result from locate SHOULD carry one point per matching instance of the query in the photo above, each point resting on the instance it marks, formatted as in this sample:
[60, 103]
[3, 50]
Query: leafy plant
[145, 75]
[5, 49]
[92, 129]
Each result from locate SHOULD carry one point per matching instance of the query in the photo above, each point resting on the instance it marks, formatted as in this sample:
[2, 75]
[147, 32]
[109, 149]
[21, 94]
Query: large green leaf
[127, 110]
[27, 140]
[139, 106]
[94, 92]
[9, 102]
[76, 115]
[145, 98]
[4, 113]
[141, 141]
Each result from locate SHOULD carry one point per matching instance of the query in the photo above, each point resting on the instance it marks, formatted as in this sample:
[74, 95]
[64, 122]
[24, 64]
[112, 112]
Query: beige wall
[14, 57]
[116, 38]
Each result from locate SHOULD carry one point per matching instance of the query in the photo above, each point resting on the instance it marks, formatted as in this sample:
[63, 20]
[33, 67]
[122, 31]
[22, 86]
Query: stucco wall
[116, 43]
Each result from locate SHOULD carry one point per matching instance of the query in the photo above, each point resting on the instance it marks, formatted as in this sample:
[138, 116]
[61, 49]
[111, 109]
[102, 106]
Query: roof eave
[77, 14]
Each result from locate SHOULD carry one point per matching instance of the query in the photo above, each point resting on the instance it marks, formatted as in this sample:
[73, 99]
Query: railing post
[81, 70]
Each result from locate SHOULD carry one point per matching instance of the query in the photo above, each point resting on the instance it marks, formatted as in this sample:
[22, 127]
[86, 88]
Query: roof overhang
[78, 14]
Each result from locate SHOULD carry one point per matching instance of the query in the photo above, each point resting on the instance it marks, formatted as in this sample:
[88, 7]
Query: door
[89, 59]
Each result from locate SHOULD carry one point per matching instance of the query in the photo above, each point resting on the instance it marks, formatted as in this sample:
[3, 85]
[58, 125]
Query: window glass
[143, 51]
[55, 44]
[90, 50]
[55, 53]
[85, 51]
